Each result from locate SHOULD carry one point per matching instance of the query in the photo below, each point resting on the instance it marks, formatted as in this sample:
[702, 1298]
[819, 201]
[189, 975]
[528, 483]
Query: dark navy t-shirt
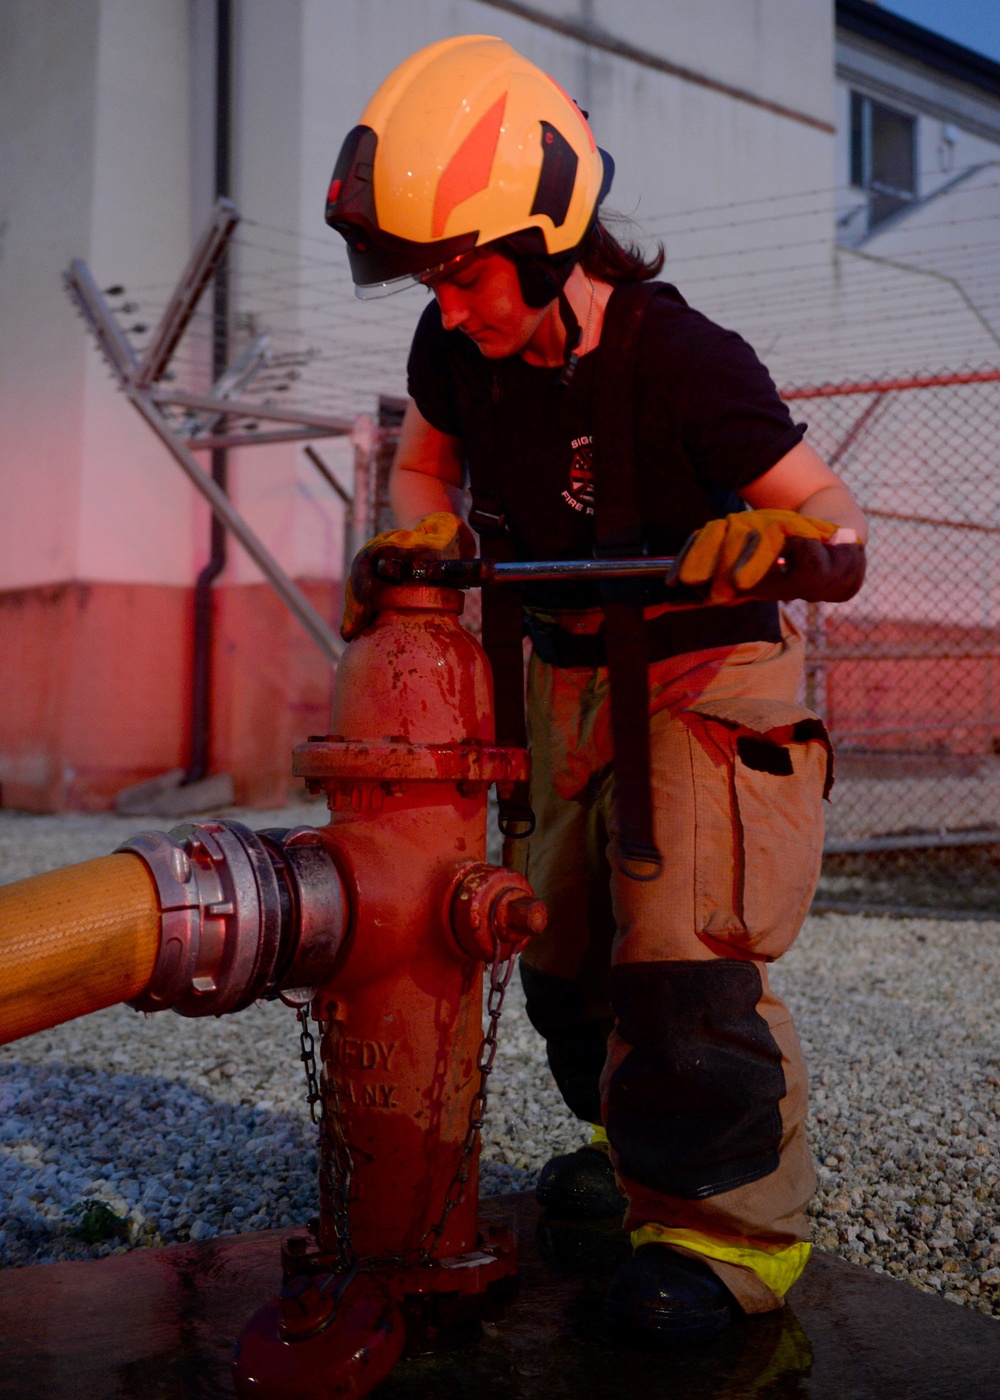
[708, 422]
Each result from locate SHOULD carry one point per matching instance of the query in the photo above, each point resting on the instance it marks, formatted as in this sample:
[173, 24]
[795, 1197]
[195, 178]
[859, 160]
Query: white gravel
[187, 1129]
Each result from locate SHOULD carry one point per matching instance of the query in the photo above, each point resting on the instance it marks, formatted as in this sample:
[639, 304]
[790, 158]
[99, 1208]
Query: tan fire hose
[205, 919]
[75, 941]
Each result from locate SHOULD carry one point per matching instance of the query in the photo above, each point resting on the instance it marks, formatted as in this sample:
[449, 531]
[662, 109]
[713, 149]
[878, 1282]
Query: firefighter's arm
[426, 472]
[424, 490]
[802, 481]
[798, 508]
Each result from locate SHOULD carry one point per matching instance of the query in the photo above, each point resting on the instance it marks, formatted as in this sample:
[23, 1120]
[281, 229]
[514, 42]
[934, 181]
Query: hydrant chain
[336, 1164]
[500, 975]
[307, 1046]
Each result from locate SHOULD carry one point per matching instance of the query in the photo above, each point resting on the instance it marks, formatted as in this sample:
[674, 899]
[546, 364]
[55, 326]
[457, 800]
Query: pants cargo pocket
[760, 770]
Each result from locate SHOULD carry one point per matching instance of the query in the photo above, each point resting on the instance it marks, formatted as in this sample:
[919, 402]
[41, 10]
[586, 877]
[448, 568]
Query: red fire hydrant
[381, 922]
[398, 1248]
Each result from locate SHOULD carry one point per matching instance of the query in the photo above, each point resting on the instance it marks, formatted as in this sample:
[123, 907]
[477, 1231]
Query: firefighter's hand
[438, 536]
[731, 556]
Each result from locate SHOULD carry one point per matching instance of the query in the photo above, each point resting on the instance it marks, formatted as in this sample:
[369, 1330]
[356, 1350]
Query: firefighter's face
[481, 297]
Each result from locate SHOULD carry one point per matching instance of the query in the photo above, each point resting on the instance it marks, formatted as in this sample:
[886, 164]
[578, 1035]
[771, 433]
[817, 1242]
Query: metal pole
[116, 349]
[204, 629]
[468, 573]
[349, 545]
[250, 408]
[324, 637]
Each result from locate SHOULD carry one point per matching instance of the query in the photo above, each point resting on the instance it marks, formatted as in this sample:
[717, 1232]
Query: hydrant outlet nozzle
[493, 909]
[523, 913]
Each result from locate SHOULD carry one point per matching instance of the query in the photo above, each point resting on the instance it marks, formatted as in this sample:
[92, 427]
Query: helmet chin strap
[573, 337]
[543, 278]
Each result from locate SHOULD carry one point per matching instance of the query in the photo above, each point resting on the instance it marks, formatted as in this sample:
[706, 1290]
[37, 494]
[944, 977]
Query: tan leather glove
[734, 554]
[438, 536]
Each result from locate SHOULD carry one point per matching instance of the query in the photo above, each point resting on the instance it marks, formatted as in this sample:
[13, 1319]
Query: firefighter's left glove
[731, 556]
[438, 536]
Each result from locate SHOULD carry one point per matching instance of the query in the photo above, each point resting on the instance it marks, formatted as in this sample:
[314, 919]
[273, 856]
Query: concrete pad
[162, 1323]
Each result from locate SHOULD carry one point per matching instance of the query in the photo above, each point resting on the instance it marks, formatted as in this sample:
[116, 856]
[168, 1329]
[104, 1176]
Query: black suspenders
[503, 625]
[619, 533]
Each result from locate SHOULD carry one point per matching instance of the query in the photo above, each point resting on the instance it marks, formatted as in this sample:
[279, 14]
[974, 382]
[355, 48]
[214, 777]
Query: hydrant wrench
[808, 569]
[472, 573]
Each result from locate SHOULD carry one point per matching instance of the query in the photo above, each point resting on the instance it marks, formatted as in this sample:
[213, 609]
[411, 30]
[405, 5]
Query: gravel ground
[122, 1130]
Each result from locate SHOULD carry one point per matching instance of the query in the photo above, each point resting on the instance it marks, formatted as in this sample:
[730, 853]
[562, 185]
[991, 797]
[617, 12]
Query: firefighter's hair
[612, 258]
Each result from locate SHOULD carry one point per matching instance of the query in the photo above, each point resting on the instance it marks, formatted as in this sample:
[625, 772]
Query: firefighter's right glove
[438, 536]
[731, 557]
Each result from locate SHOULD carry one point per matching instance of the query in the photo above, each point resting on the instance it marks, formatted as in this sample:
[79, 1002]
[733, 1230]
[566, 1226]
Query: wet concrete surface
[162, 1323]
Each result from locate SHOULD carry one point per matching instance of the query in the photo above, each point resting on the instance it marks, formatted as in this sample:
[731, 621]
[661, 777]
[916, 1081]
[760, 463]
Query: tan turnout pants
[703, 1088]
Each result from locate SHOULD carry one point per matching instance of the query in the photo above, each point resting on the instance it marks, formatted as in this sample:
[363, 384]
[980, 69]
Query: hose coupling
[244, 915]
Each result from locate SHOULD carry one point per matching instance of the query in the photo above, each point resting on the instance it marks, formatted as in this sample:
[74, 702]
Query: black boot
[668, 1297]
[580, 1186]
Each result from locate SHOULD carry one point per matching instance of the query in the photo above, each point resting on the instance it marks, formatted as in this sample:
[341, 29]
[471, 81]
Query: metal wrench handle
[471, 573]
[808, 569]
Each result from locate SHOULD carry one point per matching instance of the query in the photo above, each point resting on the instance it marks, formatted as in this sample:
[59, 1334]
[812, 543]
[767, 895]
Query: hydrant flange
[396, 760]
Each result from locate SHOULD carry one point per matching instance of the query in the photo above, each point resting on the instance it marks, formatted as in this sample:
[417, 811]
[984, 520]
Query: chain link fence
[906, 674]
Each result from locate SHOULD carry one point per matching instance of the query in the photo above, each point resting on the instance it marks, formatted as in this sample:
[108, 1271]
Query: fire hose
[205, 919]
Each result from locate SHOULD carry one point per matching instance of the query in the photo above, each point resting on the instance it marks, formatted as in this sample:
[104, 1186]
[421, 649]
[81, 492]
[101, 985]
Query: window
[883, 156]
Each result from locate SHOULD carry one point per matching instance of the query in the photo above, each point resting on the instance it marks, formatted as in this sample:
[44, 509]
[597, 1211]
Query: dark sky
[974, 23]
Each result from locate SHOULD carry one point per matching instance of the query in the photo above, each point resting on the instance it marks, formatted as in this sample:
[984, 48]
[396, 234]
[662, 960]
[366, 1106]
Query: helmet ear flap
[539, 285]
[541, 275]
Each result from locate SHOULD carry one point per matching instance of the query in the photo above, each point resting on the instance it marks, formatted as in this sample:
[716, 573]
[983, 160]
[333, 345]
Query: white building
[918, 140]
[722, 117]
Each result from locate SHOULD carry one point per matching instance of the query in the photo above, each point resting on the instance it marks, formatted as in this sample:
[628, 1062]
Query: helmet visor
[381, 262]
[429, 277]
[375, 291]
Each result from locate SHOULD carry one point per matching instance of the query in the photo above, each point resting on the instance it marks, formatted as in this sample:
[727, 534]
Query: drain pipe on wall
[180, 792]
[201, 680]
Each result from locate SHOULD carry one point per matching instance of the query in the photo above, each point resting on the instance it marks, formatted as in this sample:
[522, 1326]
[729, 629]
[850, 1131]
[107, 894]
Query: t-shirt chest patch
[579, 493]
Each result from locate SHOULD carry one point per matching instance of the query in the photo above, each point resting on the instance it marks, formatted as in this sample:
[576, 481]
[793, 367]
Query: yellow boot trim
[599, 1137]
[777, 1268]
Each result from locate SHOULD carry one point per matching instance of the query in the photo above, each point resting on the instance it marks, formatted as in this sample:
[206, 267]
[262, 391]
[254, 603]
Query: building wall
[948, 233]
[957, 127]
[105, 142]
[42, 356]
[914, 294]
[78, 713]
[93, 114]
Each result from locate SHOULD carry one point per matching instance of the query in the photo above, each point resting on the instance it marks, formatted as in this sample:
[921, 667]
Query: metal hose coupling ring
[242, 914]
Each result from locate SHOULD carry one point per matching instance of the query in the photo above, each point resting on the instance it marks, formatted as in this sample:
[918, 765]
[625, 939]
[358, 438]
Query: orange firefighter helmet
[466, 143]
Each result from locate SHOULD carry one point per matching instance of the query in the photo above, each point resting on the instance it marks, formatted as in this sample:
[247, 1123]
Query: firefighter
[676, 781]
